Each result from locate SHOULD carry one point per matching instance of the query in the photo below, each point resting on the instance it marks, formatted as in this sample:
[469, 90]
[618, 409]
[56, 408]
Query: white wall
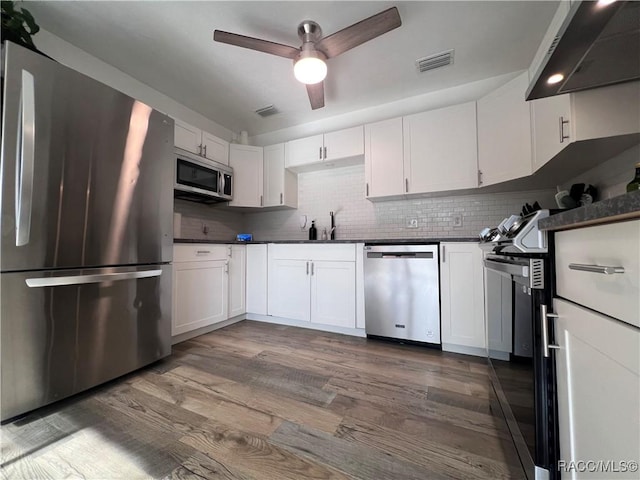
[79, 60]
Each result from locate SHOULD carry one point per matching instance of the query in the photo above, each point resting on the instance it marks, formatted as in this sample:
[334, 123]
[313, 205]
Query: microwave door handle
[25, 157]
[220, 183]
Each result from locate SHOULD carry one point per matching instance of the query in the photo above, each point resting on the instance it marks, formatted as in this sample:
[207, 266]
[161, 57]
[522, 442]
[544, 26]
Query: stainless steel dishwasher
[402, 292]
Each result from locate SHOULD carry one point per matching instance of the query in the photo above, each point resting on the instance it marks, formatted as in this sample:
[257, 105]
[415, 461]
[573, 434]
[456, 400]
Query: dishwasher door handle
[399, 254]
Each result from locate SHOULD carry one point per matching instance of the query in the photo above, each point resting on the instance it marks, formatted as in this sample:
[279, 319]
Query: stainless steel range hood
[598, 44]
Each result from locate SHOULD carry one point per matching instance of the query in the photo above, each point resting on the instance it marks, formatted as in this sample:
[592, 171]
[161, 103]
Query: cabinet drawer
[302, 251]
[613, 245]
[199, 252]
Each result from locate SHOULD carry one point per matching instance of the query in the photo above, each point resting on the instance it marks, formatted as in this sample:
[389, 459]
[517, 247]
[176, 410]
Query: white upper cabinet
[441, 149]
[201, 143]
[345, 143]
[383, 158]
[280, 185]
[342, 145]
[602, 112]
[246, 162]
[504, 133]
[215, 148]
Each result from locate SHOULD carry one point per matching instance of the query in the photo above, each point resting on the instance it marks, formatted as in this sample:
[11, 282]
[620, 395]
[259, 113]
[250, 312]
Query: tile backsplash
[341, 190]
[220, 222]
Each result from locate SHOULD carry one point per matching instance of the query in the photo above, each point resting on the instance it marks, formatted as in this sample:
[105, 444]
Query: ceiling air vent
[432, 62]
[267, 111]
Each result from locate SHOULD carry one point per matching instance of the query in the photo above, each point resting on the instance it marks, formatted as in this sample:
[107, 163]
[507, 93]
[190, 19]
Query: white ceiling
[169, 46]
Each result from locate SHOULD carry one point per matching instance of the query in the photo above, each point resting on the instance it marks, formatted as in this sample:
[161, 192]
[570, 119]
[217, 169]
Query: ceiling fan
[309, 60]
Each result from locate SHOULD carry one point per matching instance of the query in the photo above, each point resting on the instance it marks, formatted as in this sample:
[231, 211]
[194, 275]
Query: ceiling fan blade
[256, 44]
[359, 33]
[316, 95]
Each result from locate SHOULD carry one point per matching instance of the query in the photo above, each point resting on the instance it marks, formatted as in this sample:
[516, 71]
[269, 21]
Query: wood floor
[262, 401]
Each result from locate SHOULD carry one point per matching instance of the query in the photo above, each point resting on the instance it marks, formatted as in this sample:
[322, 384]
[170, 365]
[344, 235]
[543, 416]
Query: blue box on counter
[244, 237]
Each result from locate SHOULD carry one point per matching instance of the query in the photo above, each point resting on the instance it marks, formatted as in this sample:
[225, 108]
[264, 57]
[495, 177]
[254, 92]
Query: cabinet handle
[281, 198]
[205, 151]
[563, 122]
[307, 268]
[367, 189]
[444, 258]
[311, 268]
[545, 332]
[200, 149]
[479, 177]
[320, 154]
[596, 268]
[203, 252]
[226, 266]
[261, 201]
[325, 153]
[406, 185]
[230, 251]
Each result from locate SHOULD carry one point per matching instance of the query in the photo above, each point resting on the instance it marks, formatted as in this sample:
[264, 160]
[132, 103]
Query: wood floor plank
[254, 455]
[352, 458]
[200, 466]
[435, 455]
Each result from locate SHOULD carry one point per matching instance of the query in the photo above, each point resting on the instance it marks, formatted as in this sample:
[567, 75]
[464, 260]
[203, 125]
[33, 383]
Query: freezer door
[66, 331]
[87, 172]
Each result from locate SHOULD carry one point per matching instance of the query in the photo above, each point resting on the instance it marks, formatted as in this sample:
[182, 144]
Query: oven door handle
[510, 268]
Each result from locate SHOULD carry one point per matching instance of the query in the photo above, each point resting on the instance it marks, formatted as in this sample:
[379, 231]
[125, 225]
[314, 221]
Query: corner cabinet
[462, 298]
[194, 140]
[280, 185]
[504, 133]
[247, 164]
[313, 283]
[200, 286]
[441, 149]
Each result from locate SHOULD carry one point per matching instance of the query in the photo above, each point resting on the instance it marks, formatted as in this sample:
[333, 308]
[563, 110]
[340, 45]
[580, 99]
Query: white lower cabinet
[313, 283]
[200, 294]
[598, 378]
[237, 280]
[462, 297]
[257, 278]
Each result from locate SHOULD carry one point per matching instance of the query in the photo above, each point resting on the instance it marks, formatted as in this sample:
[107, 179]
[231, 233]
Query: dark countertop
[622, 207]
[391, 241]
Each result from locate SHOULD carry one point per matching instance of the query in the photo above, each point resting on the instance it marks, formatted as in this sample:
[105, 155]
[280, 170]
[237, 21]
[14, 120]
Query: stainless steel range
[518, 289]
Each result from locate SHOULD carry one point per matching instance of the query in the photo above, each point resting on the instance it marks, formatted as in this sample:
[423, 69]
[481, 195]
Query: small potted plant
[18, 25]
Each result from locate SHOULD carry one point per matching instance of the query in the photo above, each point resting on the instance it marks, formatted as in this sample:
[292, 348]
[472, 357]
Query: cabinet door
[200, 292]
[274, 175]
[598, 379]
[344, 143]
[333, 293]
[237, 280]
[304, 151]
[462, 294]
[383, 158]
[441, 149]
[550, 134]
[246, 162]
[257, 279]
[504, 133]
[215, 148]
[289, 292]
[187, 137]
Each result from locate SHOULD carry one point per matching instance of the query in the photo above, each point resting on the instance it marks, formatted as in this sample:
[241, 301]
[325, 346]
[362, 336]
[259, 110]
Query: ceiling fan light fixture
[310, 67]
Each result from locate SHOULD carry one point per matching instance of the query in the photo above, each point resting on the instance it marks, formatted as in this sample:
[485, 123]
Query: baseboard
[209, 328]
[355, 332]
[478, 352]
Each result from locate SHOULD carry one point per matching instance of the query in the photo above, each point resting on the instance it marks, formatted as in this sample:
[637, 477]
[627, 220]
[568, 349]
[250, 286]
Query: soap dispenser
[324, 234]
[313, 233]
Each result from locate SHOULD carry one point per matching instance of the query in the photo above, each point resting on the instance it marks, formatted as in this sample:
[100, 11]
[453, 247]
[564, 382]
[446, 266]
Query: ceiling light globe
[310, 70]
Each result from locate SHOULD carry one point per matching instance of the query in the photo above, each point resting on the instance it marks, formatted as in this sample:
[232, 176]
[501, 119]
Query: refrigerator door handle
[84, 279]
[25, 158]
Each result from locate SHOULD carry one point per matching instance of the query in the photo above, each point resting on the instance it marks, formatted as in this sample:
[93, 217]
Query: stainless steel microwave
[202, 180]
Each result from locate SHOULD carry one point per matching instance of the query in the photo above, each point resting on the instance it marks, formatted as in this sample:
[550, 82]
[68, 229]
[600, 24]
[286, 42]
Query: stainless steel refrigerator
[87, 234]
